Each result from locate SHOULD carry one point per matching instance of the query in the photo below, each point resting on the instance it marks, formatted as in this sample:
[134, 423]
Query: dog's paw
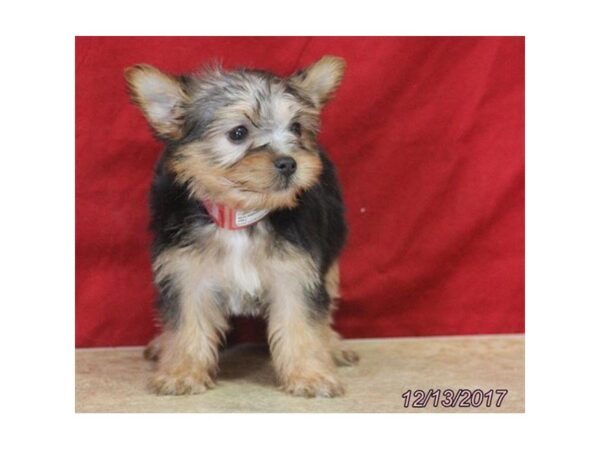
[181, 383]
[314, 385]
[345, 357]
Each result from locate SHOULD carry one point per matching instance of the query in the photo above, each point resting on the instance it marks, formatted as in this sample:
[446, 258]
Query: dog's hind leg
[342, 355]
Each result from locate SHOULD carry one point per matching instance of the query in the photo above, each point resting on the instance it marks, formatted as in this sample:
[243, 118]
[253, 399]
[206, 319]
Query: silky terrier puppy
[248, 219]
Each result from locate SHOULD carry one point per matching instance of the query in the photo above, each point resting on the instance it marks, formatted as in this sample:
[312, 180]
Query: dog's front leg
[298, 330]
[187, 350]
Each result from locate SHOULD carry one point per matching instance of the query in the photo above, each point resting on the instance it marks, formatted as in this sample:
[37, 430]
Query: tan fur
[301, 356]
[332, 281]
[248, 184]
[321, 79]
[188, 353]
[298, 340]
[159, 96]
[152, 350]
[343, 356]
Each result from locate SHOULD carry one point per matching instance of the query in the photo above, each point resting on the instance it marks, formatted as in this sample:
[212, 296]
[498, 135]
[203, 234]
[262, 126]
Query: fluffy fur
[285, 266]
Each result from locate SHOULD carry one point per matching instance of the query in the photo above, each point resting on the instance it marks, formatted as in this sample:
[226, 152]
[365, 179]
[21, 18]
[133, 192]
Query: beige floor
[114, 380]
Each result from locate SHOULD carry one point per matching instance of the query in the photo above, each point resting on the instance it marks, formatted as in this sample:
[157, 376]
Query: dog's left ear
[160, 97]
[321, 79]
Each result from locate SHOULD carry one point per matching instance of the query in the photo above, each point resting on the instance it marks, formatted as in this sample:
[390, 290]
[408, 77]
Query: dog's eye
[238, 134]
[296, 128]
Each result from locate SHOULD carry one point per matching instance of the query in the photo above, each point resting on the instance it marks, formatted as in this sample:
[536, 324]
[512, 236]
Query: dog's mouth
[279, 185]
[285, 182]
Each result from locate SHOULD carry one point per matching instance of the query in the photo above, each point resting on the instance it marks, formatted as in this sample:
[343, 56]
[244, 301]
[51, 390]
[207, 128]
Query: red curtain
[428, 138]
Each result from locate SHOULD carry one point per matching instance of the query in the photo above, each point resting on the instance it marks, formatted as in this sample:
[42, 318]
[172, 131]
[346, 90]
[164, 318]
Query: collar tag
[231, 219]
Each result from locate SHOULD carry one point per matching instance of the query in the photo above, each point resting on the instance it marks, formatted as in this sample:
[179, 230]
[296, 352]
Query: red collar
[232, 219]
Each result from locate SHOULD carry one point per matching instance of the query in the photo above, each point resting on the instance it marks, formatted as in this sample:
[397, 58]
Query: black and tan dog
[248, 219]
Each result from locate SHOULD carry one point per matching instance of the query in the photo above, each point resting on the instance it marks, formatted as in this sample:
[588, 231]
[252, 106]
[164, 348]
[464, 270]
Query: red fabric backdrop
[428, 137]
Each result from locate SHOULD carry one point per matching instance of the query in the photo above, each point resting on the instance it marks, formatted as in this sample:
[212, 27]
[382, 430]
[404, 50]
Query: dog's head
[244, 138]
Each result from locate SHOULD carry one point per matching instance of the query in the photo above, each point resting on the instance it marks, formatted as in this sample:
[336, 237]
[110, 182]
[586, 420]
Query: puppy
[248, 219]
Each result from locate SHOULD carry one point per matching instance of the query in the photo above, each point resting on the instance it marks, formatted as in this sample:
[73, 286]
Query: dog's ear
[160, 97]
[321, 79]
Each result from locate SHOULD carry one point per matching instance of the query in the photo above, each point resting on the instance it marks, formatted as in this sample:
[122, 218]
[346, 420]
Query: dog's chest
[243, 268]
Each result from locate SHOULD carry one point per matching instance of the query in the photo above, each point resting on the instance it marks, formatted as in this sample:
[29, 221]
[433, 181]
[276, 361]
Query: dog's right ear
[160, 97]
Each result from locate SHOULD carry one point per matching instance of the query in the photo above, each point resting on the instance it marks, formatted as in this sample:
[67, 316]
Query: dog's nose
[285, 165]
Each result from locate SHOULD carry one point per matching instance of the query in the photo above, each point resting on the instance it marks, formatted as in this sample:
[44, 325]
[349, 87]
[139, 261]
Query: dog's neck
[232, 219]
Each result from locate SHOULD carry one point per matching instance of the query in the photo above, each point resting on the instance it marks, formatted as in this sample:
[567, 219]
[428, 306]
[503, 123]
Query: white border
[562, 223]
